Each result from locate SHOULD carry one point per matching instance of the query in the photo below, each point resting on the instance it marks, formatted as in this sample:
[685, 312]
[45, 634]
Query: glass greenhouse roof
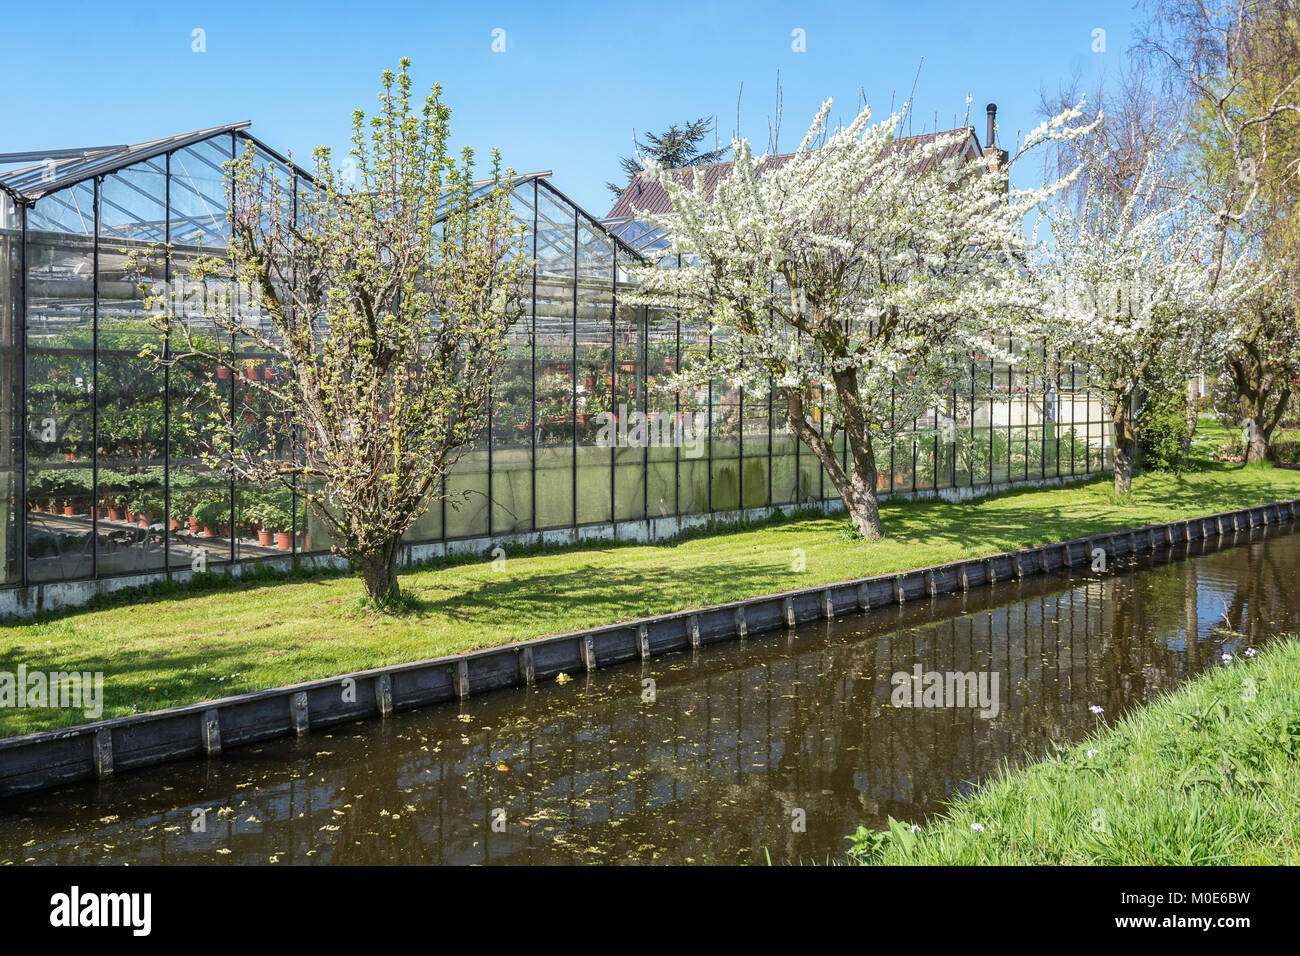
[50, 170]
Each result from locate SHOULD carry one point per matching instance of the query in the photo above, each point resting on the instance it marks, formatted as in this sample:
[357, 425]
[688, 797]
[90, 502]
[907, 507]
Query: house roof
[645, 194]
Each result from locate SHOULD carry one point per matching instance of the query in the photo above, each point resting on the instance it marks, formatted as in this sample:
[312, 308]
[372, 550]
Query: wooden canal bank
[52, 758]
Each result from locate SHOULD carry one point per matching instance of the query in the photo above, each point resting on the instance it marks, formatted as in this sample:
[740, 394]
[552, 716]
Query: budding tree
[854, 276]
[1129, 289]
[385, 293]
[1260, 363]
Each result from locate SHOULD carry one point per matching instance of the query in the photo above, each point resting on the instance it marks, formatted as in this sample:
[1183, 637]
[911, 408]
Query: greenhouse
[101, 480]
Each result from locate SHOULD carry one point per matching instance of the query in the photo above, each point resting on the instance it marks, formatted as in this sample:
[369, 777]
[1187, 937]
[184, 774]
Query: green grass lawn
[1206, 775]
[184, 647]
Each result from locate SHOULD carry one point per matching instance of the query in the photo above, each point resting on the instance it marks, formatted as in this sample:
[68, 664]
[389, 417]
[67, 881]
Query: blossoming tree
[1129, 288]
[854, 277]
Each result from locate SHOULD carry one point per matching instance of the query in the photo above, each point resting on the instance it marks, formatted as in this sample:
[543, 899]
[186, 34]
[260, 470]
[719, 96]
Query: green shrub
[1285, 452]
[1164, 434]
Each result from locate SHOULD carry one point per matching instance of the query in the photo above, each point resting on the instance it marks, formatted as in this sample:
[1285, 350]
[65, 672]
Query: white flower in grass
[1097, 710]
[1092, 753]
[1248, 652]
[977, 827]
[916, 828]
[1226, 658]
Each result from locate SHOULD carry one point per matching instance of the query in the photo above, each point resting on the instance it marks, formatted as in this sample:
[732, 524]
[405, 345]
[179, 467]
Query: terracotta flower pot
[175, 525]
[264, 537]
[284, 541]
[250, 374]
[116, 514]
[223, 372]
[209, 531]
[69, 510]
[194, 526]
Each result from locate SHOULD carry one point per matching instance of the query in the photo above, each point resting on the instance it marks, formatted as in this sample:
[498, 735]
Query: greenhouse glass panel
[130, 390]
[597, 422]
[11, 392]
[60, 282]
[200, 496]
[555, 316]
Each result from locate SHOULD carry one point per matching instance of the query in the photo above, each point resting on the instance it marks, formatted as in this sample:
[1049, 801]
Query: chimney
[996, 159]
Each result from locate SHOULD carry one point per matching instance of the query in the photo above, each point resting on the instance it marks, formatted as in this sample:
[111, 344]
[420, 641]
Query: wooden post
[741, 628]
[462, 679]
[828, 605]
[526, 666]
[588, 652]
[643, 641]
[695, 630]
[384, 695]
[103, 752]
[298, 713]
[787, 609]
[211, 732]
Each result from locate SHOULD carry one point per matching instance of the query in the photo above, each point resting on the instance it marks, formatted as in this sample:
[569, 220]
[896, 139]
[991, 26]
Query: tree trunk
[1257, 441]
[1193, 416]
[379, 573]
[1125, 446]
[856, 488]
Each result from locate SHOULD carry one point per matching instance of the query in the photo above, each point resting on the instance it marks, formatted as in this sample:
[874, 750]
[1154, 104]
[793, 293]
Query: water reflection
[715, 756]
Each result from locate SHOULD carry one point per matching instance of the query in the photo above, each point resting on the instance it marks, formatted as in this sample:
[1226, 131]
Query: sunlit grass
[183, 647]
[1205, 775]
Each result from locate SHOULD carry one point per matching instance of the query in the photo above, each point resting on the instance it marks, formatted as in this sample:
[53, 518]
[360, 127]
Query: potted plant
[145, 502]
[257, 515]
[280, 518]
[209, 515]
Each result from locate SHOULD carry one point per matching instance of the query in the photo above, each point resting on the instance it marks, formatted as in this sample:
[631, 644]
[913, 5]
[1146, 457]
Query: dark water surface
[741, 742]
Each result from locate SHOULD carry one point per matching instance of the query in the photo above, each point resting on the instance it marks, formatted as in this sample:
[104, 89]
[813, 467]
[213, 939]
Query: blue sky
[574, 81]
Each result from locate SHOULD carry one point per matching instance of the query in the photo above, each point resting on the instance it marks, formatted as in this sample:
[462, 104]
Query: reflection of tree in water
[741, 735]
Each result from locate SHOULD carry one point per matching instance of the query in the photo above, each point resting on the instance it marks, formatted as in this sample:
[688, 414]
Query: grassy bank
[180, 648]
[1205, 775]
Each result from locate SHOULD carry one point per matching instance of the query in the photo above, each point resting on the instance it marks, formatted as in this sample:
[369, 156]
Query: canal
[772, 748]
